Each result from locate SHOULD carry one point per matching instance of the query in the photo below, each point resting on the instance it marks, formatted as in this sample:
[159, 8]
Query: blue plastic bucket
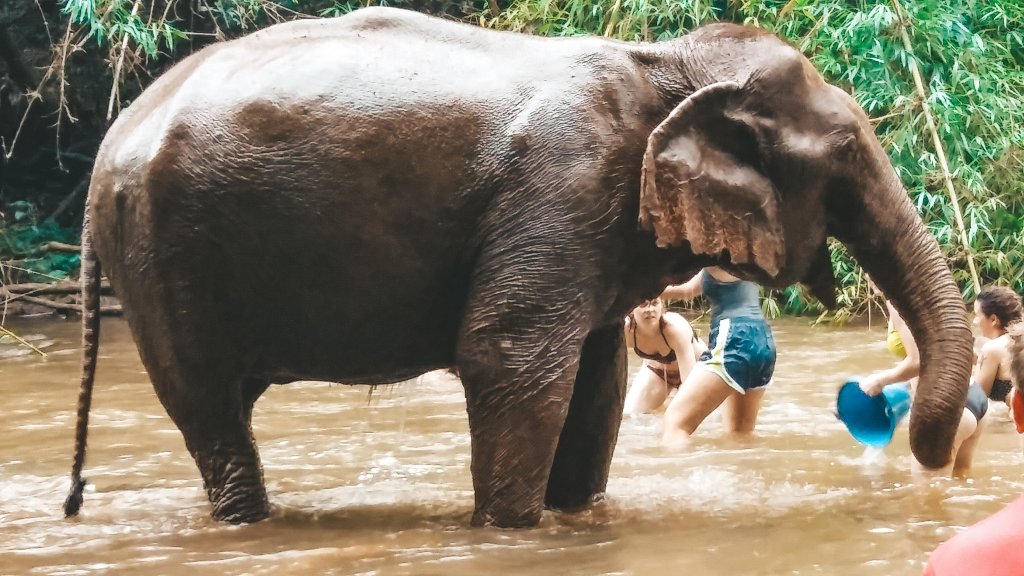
[872, 420]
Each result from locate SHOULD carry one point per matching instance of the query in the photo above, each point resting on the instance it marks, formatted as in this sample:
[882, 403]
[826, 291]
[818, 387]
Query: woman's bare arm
[686, 291]
[907, 368]
[679, 335]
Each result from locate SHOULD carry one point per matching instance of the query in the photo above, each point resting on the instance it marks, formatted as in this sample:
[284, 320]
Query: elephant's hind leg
[584, 455]
[215, 420]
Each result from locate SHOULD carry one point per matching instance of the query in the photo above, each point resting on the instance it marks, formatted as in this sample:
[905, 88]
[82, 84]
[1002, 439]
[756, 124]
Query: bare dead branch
[61, 54]
[54, 246]
[118, 65]
[82, 186]
[65, 307]
[41, 288]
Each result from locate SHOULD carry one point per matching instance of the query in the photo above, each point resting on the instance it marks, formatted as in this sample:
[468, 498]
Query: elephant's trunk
[888, 239]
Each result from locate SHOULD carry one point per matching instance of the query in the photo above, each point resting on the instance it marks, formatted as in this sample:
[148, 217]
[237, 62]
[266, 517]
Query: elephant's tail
[90, 279]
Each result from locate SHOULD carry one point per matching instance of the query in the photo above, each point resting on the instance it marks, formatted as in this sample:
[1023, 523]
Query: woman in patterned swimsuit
[669, 348]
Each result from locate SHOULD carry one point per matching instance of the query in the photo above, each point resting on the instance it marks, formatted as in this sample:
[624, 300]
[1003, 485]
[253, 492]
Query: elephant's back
[357, 108]
[369, 64]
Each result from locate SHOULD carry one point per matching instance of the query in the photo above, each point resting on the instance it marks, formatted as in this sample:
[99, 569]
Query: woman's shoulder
[1001, 342]
[998, 347]
[676, 321]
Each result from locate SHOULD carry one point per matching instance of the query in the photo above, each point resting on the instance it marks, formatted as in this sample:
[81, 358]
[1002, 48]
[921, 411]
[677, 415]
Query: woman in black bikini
[994, 310]
[669, 349]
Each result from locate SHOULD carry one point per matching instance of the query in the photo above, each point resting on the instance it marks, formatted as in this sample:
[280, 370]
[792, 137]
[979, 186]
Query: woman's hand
[872, 385]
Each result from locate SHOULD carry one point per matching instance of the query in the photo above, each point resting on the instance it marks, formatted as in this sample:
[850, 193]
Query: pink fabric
[992, 547]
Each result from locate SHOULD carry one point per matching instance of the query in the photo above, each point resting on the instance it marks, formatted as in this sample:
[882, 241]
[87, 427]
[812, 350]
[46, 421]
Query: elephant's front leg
[518, 373]
[584, 455]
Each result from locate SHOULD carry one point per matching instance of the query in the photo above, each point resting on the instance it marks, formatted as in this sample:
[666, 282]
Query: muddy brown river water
[379, 484]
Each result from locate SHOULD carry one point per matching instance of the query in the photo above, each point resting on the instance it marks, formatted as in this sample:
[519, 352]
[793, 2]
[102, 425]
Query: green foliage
[22, 260]
[970, 55]
[111, 21]
[157, 26]
[622, 19]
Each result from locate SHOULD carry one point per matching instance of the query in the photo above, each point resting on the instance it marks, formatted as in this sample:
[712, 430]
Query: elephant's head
[762, 161]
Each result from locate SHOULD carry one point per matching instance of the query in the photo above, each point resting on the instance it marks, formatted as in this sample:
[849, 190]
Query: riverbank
[63, 298]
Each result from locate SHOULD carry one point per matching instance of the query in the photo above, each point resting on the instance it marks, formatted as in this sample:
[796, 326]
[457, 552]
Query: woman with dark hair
[995, 309]
[669, 348]
[992, 547]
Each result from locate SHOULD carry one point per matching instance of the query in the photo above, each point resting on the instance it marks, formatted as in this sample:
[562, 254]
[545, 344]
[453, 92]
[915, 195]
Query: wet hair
[650, 302]
[1001, 302]
[632, 319]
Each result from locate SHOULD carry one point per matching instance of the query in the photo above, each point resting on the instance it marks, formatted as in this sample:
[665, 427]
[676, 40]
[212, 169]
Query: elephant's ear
[703, 182]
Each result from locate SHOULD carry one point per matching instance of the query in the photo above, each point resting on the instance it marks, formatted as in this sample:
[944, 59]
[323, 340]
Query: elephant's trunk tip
[74, 501]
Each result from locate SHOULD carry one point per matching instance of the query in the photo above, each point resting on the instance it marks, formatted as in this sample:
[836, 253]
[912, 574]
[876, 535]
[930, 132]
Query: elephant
[367, 198]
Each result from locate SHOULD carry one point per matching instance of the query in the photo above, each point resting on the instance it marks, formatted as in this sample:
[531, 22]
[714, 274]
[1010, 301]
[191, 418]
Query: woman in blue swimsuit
[733, 372]
[669, 348]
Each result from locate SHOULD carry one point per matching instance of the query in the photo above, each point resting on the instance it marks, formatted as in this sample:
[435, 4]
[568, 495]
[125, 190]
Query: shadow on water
[379, 483]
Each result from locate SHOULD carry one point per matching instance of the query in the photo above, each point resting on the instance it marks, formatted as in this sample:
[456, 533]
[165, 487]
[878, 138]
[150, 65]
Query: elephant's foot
[578, 477]
[570, 497]
[215, 421]
[232, 476]
[238, 504]
[234, 482]
[501, 516]
[240, 513]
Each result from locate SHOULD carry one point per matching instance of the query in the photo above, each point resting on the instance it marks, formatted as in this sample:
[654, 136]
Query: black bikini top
[664, 359]
[1000, 388]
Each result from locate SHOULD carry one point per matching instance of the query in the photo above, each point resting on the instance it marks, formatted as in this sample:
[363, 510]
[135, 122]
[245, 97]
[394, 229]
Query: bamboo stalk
[613, 18]
[118, 65]
[939, 150]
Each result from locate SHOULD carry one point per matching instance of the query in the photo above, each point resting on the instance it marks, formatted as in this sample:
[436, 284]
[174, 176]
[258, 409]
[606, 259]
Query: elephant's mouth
[818, 276]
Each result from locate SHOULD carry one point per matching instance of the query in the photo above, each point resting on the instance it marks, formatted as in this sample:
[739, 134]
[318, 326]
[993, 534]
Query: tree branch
[62, 306]
[54, 246]
[41, 288]
[22, 341]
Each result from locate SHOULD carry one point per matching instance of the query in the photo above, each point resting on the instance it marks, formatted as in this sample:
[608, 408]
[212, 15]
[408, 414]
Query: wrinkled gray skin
[367, 198]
